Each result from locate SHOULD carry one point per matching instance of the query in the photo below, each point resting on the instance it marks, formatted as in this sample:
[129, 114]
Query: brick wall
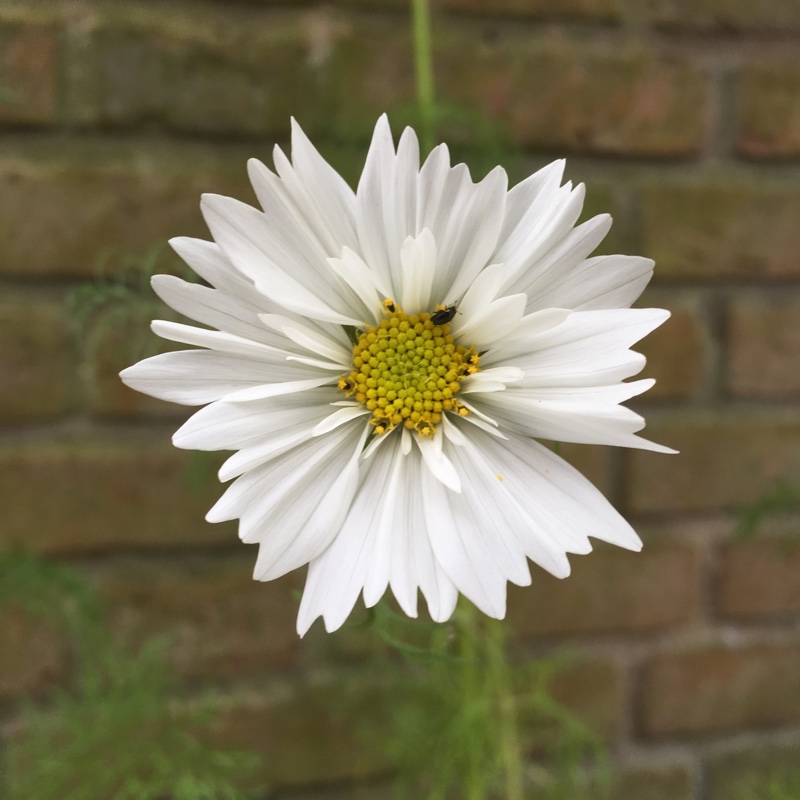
[683, 116]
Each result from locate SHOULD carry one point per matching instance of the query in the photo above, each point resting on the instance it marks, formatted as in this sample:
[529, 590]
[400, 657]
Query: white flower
[377, 447]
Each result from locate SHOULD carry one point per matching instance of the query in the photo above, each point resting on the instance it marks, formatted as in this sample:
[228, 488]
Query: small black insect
[444, 316]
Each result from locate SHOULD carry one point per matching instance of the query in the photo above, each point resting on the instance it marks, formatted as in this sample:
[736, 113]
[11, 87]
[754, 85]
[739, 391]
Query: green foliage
[783, 497]
[118, 733]
[465, 717]
[783, 785]
[46, 591]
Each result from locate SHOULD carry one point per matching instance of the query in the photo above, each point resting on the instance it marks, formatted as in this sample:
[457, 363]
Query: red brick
[592, 690]
[723, 16]
[769, 772]
[721, 689]
[679, 352]
[620, 102]
[313, 736]
[769, 113]
[724, 462]
[346, 724]
[719, 232]
[653, 783]
[610, 590]
[220, 622]
[582, 9]
[242, 72]
[28, 73]
[120, 199]
[32, 657]
[759, 577]
[558, 99]
[37, 359]
[83, 496]
[764, 343]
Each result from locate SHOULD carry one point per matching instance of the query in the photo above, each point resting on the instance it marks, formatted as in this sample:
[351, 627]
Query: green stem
[510, 757]
[423, 68]
[475, 784]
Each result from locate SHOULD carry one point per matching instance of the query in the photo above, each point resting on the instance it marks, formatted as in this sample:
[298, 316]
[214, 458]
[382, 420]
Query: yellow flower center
[407, 370]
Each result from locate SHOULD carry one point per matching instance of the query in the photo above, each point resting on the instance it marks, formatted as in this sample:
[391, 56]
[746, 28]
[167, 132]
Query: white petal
[352, 269]
[590, 415]
[229, 426]
[214, 308]
[257, 248]
[491, 380]
[523, 338]
[295, 528]
[523, 501]
[560, 502]
[546, 222]
[315, 193]
[281, 473]
[332, 199]
[437, 462]
[390, 524]
[542, 184]
[493, 321]
[483, 290]
[337, 576]
[380, 544]
[292, 431]
[265, 390]
[381, 207]
[217, 340]
[196, 377]
[476, 419]
[418, 263]
[590, 348]
[476, 567]
[431, 183]
[338, 418]
[305, 336]
[603, 282]
[477, 412]
[214, 267]
[377, 441]
[466, 230]
[452, 432]
[549, 272]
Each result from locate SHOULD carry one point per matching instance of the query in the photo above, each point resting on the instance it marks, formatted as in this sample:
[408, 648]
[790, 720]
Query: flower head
[383, 362]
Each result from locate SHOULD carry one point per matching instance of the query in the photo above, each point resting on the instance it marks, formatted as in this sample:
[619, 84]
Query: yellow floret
[408, 371]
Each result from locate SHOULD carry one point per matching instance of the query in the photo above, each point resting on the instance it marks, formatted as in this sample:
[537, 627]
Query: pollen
[407, 371]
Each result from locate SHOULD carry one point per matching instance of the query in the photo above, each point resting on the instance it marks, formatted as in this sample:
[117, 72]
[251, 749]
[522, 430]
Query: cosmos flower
[384, 363]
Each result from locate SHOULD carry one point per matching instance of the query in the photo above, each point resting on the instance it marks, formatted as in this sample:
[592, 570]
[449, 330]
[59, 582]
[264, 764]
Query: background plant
[118, 729]
[475, 723]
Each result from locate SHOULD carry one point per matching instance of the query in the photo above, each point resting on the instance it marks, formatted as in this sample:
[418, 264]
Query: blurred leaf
[783, 497]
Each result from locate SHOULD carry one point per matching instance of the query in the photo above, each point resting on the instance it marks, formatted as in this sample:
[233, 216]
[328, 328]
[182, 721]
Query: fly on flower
[379, 358]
